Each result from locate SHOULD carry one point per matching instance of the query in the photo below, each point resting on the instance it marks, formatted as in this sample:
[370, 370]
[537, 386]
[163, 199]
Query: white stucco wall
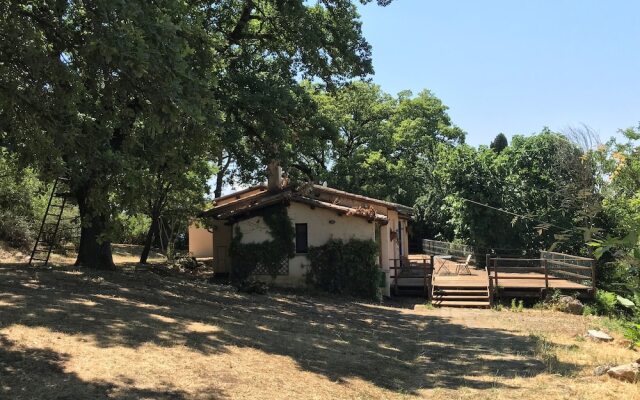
[322, 225]
[200, 241]
[211, 244]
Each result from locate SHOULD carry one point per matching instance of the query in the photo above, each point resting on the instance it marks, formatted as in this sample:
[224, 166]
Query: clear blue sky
[513, 66]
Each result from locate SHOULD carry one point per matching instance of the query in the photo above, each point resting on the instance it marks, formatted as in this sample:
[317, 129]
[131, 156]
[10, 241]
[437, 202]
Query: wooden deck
[437, 278]
[506, 280]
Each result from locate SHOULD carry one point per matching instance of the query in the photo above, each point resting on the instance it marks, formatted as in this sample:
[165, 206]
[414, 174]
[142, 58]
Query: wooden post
[395, 277]
[487, 267]
[545, 263]
[490, 288]
[487, 260]
[426, 275]
[495, 271]
[593, 277]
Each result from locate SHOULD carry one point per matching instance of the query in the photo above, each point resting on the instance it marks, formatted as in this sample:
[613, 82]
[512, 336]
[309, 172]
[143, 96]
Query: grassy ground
[69, 334]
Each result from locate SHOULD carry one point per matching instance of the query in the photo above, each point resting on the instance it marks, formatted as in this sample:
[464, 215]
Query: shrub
[346, 268]
[588, 310]
[16, 230]
[606, 302]
[131, 229]
[632, 332]
[517, 306]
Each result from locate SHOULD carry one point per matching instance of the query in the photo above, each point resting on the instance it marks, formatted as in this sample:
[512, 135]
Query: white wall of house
[322, 225]
[200, 241]
[211, 244]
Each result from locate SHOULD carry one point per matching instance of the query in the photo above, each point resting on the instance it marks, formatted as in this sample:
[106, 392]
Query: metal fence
[436, 247]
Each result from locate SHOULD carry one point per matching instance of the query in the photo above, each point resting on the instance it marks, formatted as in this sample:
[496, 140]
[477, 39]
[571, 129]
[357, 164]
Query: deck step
[461, 298]
[460, 303]
[461, 294]
[439, 291]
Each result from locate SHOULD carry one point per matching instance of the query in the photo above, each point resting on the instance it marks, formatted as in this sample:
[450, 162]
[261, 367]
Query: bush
[253, 286]
[16, 230]
[131, 229]
[589, 310]
[606, 303]
[346, 268]
[19, 191]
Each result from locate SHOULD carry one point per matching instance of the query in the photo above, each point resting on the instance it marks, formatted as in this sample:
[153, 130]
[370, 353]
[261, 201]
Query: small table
[443, 264]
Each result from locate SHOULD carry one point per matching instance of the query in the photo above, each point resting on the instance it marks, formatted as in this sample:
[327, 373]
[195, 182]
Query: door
[222, 259]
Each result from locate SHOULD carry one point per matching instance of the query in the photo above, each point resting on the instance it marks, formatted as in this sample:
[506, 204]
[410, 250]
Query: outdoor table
[443, 264]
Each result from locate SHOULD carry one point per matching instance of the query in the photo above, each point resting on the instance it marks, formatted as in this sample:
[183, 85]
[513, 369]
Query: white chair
[463, 268]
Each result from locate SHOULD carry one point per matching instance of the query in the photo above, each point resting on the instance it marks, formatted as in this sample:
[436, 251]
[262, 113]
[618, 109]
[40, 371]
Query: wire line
[519, 215]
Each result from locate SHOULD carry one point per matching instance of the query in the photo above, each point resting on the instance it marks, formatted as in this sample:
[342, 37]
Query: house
[319, 213]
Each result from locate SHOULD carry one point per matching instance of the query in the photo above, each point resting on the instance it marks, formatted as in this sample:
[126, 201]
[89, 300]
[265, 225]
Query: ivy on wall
[346, 268]
[269, 254]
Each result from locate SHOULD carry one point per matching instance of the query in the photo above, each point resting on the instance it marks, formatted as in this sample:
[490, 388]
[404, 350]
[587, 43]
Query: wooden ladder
[50, 224]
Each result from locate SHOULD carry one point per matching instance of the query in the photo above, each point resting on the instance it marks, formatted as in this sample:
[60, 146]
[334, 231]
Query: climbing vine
[346, 268]
[269, 254]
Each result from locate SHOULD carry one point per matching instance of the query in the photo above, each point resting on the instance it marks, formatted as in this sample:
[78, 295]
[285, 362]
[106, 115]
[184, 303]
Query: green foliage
[517, 306]
[116, 93]
[381, 146]
[269, 254]
[618, 249]
[632, 332]
[23, 201]
[131, 229]
[537, 193]
[20, 208]
[499, 143]
[346, 268]
[605, 303]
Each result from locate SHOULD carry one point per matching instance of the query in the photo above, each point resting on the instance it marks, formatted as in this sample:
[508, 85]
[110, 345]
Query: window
[302, 240]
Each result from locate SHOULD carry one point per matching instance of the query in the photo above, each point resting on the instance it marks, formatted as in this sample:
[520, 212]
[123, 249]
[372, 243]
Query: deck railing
[573, 268]
[512, 266]
[412, 268]
[436, 247]
[550, 266]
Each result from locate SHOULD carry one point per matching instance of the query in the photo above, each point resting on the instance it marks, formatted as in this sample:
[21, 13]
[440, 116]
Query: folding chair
[463, 268]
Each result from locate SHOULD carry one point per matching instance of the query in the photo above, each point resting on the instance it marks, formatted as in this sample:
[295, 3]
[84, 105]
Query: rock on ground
[602, 369]
[625, 372]
[569, 305]
[599, 336]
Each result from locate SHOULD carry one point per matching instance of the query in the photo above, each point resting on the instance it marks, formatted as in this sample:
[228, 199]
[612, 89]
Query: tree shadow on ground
[390, 348]
[39, 373]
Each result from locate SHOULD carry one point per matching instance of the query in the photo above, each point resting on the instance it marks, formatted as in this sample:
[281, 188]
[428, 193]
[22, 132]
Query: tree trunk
[223, 163]
[219, 182]
[95, 249]
[149, 239]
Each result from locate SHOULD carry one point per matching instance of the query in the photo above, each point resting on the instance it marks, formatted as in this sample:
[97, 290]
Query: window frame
[305, 250]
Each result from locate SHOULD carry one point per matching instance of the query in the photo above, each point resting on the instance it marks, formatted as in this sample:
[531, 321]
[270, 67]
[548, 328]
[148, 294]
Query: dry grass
[70, 334]
[123, 254]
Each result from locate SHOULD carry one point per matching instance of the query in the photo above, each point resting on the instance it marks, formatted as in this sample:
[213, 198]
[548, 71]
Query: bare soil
[68, 333]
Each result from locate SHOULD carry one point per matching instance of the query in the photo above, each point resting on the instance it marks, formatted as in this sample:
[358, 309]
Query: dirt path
[77, 334]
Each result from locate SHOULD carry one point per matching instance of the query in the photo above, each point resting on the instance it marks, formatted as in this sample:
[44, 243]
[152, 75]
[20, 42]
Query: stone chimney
[274, 176]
